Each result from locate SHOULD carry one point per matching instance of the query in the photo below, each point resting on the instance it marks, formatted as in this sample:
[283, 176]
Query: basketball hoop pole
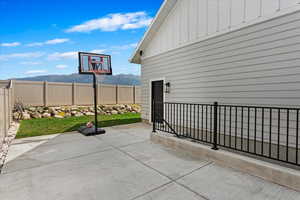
[95, 101]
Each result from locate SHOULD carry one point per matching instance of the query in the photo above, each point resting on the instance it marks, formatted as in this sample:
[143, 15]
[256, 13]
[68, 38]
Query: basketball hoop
[94, 64]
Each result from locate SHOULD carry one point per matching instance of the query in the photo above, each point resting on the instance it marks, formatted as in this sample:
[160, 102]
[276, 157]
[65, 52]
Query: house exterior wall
[193, 20]
[256, 65]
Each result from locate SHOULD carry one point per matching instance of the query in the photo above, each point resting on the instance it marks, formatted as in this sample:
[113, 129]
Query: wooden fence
[57, 94]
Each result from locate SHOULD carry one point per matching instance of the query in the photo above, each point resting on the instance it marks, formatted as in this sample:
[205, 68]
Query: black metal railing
[270, 132]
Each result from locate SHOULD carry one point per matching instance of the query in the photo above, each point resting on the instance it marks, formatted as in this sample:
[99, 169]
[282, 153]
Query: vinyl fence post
[73, 93]
[117, 94]
[45, 93]
[215, 142]
[12, 89]
[133, 94]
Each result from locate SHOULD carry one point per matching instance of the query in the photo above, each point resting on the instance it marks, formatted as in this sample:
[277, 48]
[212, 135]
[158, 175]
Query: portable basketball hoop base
[92, 131]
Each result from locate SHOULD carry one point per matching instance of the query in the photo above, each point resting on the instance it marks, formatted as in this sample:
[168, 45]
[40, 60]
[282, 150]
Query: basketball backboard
[92, 63]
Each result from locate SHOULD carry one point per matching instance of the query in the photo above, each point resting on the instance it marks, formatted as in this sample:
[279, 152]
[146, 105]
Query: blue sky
[42, 37]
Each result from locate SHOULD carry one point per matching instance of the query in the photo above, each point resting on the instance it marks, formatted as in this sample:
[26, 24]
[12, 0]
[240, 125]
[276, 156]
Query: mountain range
[120, 79]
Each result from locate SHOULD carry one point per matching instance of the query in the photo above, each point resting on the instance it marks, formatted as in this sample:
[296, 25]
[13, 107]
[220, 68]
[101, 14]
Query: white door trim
[150, 94]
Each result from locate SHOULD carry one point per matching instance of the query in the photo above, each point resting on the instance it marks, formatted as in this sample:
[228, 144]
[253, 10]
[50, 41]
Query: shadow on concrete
[108, 123]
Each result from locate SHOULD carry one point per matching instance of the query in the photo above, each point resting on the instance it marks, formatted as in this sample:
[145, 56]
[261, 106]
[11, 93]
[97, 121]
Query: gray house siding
[192, 20]
[256, 65]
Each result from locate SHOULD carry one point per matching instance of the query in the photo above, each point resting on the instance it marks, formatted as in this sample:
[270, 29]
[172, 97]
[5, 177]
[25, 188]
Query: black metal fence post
[215, 142]
[153, 117]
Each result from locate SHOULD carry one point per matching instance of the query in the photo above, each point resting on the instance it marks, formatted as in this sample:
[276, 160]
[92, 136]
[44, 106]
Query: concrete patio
[123, 165]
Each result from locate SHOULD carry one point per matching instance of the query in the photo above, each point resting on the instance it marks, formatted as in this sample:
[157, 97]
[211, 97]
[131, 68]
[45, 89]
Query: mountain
[120, 79]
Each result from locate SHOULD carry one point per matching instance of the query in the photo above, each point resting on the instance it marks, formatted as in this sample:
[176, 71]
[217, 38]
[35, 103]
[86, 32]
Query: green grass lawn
[38, 127]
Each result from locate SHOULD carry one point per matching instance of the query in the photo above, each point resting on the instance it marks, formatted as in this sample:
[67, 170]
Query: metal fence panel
[270, 132]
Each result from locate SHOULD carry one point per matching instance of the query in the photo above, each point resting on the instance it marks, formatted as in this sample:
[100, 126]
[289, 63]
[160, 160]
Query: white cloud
[98, 51]
[21, 55]
[30, 63]
[49, 42]
[12, 44]
[136, 25]
[57, 41]
[70, 54]
[125, 47]
[35, 44]
[61, 66]
[115, 53]
[64, 55]
[36, 72]
[114, 22]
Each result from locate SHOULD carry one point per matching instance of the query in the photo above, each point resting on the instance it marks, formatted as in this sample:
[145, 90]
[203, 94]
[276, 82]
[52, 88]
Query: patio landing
[125, 164]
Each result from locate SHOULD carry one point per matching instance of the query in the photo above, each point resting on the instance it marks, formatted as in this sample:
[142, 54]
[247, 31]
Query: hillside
[120, 79]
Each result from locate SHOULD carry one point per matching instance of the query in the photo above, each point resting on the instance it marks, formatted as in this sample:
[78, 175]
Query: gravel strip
[12, 132]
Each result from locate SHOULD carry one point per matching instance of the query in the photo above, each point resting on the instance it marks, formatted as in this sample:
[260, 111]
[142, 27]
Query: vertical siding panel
[188, 19]
[289, 3]
[191, 20]
[186, 22]
[202, 21]
[237, 12]
[164, 38]
[181, 22]
[218, 15]
[212, 16]
[176, 27]
[193, 17]
[252, 9]
[159, 42]
[172, 30]
[197, 16]
[153, 47]
[269, 6]
[224, 16]
[170, 33]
